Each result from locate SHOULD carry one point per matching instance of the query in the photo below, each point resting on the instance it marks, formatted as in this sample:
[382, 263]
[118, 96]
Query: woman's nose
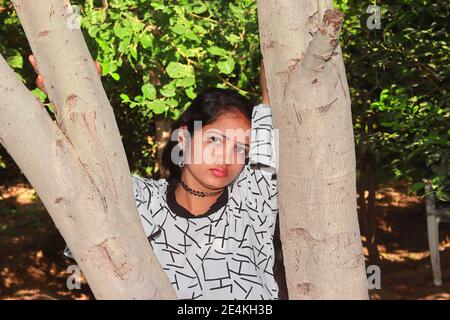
[225, 155]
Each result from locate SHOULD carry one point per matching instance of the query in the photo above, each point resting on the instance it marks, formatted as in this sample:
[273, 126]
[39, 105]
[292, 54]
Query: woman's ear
[182, 137]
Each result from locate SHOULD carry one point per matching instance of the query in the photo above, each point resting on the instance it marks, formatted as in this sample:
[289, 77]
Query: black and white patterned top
[228, 252]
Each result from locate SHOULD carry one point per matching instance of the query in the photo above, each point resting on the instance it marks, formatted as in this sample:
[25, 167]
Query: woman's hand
[40, 77]
[263, 84]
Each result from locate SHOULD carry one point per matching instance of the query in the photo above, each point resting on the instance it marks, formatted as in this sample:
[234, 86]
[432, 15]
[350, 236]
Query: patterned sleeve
[257, 181]
[262, 141]
[143, 193]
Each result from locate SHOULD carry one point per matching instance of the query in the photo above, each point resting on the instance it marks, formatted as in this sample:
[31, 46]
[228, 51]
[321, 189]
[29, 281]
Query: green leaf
[92, 31]
[200, 8]
[179, 28]
[38, 93]
[172, 103]
[238, 11]
[217, 51]
[175, 114]
[190, 93]
[149, 91]
[191, 35]
[133, 52]
[226, 66]
[443, 196]
[233, 38]
[417, 186]
[115, 76]
[157, 106]
[16, 61]
[135, 25]
[124, 45]
[193, 52]
[120, 31]
[168, 90]
[185, 82]
[147, 40]
[124, 97]
[177, 70]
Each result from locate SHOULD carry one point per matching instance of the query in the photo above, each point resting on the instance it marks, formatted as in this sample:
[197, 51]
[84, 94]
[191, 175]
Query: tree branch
[84, 180]
[36, 144]
[324, 42]
[19, 108]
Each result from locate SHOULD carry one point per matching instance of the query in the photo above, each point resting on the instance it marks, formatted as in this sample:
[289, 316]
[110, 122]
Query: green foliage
[413, 139]
[400, 73]
[171, 49]
[157, 54]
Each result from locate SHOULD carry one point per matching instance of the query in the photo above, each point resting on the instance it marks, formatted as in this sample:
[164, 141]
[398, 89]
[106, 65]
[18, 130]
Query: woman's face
[216, 153]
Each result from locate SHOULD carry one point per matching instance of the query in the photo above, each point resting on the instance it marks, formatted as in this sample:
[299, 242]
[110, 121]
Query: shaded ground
[403, 245]
[32, 265]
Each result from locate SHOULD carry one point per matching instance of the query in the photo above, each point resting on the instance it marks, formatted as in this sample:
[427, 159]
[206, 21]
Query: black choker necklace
[198, 193]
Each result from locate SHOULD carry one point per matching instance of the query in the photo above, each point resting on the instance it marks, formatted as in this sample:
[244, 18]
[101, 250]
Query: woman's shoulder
[142, 184]
[138, 178]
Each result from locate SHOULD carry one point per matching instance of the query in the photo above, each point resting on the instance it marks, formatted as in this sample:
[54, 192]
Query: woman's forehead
[232, 126]
[230, 120]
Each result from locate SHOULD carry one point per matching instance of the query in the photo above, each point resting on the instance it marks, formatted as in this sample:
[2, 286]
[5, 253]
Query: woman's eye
[214, 139]
[241, 150]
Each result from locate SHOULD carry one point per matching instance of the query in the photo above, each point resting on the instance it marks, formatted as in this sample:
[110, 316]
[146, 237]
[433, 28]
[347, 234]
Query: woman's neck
[194, 204]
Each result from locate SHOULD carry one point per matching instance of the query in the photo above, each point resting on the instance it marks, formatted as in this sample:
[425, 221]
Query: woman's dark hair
[206, 107]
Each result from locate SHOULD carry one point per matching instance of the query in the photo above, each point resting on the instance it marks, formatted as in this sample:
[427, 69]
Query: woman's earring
[181, 163]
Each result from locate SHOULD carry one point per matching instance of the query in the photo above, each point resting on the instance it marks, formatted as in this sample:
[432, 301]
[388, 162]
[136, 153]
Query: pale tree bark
[77, 164]
[309, 95]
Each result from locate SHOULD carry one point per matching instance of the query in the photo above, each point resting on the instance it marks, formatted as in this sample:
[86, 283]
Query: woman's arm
[263, 83]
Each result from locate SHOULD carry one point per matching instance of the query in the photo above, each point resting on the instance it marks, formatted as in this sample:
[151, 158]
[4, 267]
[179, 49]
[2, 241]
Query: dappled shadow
[402, 241]
[32, 265]
[412, 279]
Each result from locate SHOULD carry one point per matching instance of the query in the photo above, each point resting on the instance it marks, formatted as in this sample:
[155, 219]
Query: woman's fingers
[40, 78]
[99, 67]
[32, 60]
[40, 83]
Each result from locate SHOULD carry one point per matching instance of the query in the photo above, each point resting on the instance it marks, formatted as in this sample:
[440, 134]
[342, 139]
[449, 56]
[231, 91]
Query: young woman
[211, 221]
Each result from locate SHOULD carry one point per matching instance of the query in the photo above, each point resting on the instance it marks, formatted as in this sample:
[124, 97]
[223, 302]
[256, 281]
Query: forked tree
[310, 99]
[78, 166]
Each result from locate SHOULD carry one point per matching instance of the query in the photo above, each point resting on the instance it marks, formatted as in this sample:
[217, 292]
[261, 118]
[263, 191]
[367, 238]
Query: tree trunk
[371, 209]
[309, 95]
[367, 212]
[163, 128]
[373, 222]
[77, 164]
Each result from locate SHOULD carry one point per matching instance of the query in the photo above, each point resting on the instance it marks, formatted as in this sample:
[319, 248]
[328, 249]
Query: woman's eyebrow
[244, 144]
[240, 143]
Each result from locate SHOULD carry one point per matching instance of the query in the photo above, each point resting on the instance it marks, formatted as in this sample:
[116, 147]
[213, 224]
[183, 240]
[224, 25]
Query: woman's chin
[214, 183]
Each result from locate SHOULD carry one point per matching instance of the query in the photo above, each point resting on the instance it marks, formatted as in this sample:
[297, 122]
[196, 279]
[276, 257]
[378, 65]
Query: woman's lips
[219, 172]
